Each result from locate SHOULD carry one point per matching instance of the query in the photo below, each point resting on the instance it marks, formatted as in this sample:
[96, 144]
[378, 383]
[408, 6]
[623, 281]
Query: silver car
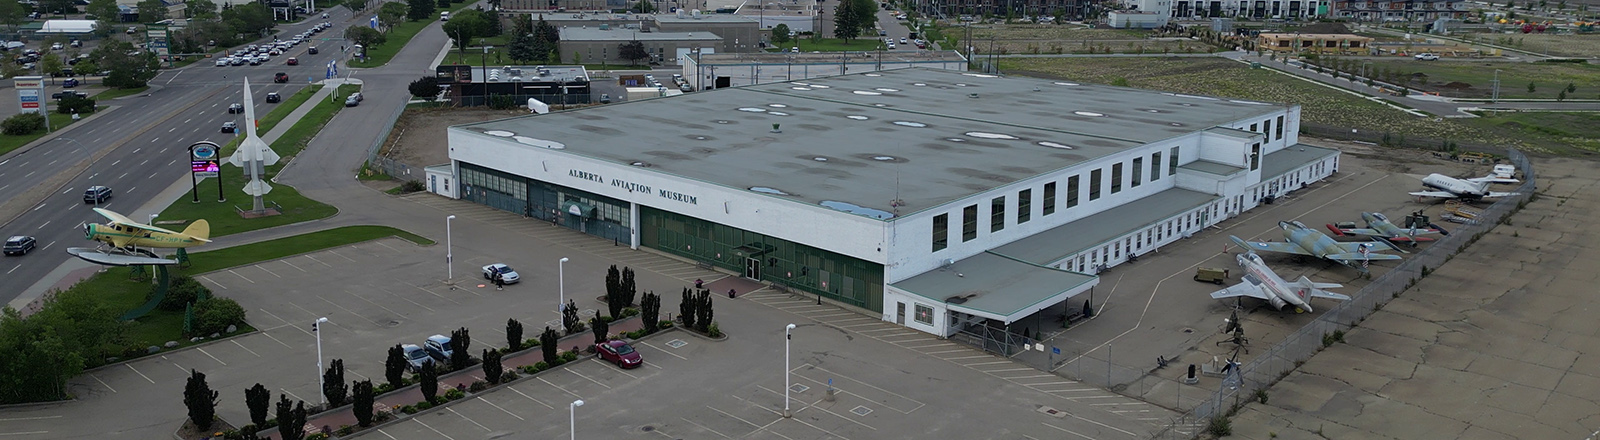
[415, 357]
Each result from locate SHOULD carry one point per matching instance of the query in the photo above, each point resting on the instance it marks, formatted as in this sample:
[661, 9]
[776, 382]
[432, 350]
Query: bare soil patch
[419, 139]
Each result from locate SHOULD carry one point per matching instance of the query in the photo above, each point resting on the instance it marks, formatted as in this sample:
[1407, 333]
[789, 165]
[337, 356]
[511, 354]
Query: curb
[55, 134]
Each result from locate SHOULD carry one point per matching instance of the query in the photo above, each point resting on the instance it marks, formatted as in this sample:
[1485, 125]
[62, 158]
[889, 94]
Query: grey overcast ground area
[1498, 344]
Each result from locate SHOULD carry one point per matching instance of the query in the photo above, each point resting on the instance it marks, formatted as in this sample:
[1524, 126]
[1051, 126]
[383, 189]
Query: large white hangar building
[936, 199]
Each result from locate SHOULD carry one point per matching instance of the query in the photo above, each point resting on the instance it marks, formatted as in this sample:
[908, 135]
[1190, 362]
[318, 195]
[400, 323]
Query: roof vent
[775, 129]
[972, 95]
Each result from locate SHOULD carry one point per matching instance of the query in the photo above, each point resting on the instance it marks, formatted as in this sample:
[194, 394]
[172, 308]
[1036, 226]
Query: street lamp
[1496, 99]
[449, 254]
[153, 219]
[561, 280]
[786, 337]
[315, 329]
[572, 415]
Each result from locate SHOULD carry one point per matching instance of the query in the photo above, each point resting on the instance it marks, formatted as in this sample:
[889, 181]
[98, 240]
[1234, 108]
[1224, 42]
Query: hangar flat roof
[1080, 235]
[997, 287]
[596, 34]
[1279, 162]
[925, 136]
[867, 57]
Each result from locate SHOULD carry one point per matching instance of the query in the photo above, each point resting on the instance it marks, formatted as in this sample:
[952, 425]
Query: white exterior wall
[893, 296]
[818, 226]
[443, 182]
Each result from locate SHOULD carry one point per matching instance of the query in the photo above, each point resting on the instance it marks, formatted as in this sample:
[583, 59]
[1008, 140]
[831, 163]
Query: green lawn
[1581, 130]
[57, 121]
[122, 293]
[224, 217]
[475, 56]
[1476, 79]
[118, 93]
[397, 39]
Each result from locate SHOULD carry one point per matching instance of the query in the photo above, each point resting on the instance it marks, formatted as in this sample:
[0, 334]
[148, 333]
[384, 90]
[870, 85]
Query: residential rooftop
[926, 137]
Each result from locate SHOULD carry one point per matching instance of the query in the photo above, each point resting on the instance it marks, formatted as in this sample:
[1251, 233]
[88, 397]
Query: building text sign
[635, 187]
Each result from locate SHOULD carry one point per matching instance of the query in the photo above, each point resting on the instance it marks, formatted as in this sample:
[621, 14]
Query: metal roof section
[861, 57]
[996, 287]
[1095, 230]
[896, 141]
[625, 35]
[1280, 162]
[1209, 167]
[1233, 132]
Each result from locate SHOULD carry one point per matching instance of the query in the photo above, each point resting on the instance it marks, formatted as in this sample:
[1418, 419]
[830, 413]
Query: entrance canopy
[997, 287]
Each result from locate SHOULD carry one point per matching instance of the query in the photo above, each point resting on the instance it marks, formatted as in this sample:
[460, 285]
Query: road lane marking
[154, 140]
[14, 269]
[3, 434]
[46, 222]
[145, 162]
[19, 419]
[172, 129]
[41, 205]
[136, 370]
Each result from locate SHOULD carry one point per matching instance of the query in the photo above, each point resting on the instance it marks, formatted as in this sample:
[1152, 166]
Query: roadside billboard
[30, 93]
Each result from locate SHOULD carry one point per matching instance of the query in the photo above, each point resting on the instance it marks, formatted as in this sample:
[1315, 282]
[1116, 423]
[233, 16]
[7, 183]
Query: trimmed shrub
[214, 315]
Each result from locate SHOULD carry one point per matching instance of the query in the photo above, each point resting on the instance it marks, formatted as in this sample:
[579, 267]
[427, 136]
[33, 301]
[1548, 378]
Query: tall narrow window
[1094, 184]
[1155, 166]
[1024, 206]
[969, 223]
[1138, 170]
[997, 214]
[1172, 162]
[1116, 178]
[1049, 198]
[1072, 191]
[941, 232]
[1266, 128]
[1255, 156]
[1280, 129]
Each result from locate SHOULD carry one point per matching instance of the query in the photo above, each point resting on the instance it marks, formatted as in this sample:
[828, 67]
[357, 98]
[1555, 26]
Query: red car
[294, 61]
[620, 353]
[280, 77]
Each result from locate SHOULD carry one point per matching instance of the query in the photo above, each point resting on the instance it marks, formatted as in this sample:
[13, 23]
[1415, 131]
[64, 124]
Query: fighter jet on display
[1378, 226]
[1261, 282]
[1302, 240]
[1469, 189]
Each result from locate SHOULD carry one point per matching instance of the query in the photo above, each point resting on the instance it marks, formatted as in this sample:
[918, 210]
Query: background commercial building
[583, 45]
[741, 69]
[932, 198]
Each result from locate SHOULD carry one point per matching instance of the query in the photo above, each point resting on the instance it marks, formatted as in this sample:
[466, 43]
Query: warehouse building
[932, 198]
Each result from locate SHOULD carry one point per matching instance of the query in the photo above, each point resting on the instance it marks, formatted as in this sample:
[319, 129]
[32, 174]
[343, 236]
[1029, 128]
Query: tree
[547, 345]
[513, 335]
[425, 87]
[104, 11]
[151, 11]
[866, 12]
[780, 34]
[361, 403]
[394, 367]
[569, 318]
[550, 32]
[419, 9]
[644, 7]
[522, 24]
[58, 6]
[390, 15]
[650, 311]
[430, 382]
[1572, 88]
[12, 14]
[629, 288]
[521, 49]
[199, 9]
[492, 369]
[258, 399]
[444, 4]
[846, 22]
[214, 315]
[465, 26]
[333, 386]
[614, 289]
[201, 400]
[686, 308]
[460, 344]
[1531, 87]
[127, 71]
[291, 419]
[601, 329]
[703, 309]
[364, 36]
[51, 64]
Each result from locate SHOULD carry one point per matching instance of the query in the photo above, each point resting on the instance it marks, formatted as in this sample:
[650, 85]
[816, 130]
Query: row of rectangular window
[997, 205]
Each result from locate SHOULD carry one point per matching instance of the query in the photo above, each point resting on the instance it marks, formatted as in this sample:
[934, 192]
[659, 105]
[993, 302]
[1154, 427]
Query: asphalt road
[137, 149]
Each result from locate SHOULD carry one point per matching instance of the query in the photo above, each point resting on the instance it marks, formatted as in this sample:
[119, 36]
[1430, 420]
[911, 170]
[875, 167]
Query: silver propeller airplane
[1302, 240]
[1262, 283]
[1379, 226]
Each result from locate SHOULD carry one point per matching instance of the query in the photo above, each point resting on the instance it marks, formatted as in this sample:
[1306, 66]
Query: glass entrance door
[752, 268]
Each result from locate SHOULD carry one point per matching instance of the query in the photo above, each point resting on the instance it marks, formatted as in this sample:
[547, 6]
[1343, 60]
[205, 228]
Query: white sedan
[223, 61]
[506, 272]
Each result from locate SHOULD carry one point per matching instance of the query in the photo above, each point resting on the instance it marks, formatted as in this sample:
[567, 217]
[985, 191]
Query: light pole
[449, 253]
[316, 329]
[561, 284]
[1496, 98]
[572, 417]
[786, 337]
[153, 219]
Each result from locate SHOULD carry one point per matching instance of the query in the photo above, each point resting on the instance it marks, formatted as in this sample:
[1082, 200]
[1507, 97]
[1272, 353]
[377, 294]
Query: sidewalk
[332, 420]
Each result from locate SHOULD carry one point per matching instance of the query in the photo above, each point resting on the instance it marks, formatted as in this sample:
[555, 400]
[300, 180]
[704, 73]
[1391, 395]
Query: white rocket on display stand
[253, 155]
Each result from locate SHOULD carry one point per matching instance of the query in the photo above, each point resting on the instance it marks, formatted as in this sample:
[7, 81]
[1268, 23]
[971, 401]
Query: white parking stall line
[967, 357]
[319, 261]
[576, 373]
[936, 344]
[469, 419]
[430, 428]
[243, 278]
[829, 315]
[985, 363]
[1011, 369]
[1118, 403]
[647, 344]
[103, 383]
[292, 265]
[175, 364]
[546, 405]
[564, 390]
[280, 342]
[236, 342]
[713, 431]
[1091, 397]
[263, 268]
[1066, 430]
[485, 400]
[208, 354]
[136, 370]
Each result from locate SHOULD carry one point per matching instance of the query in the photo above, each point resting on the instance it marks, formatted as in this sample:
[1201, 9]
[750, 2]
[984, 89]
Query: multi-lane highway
[138, 149]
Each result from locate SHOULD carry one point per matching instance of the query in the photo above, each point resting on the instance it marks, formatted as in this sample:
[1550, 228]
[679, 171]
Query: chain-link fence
[1277, 361]
[393, 168]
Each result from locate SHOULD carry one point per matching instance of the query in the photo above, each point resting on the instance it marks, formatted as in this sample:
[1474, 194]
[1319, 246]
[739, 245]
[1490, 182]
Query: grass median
[57, 123]
[224, 216]
[118, 93]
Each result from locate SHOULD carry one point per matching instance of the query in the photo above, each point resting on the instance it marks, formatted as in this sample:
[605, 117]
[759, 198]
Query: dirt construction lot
[418, 138]
[1498, 344]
